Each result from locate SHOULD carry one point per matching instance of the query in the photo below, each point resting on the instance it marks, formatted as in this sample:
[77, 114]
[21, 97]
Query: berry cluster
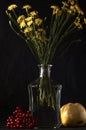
[19, 119]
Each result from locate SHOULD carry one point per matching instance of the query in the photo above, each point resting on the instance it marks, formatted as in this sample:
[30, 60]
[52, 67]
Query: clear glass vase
[44, 99]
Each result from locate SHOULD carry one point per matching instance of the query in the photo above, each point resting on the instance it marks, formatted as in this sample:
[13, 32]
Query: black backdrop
[18, 67]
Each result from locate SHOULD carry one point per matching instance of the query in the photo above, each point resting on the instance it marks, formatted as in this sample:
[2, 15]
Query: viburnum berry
[19, 119]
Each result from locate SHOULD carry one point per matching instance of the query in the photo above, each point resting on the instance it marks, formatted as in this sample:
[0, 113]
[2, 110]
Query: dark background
[18, 67]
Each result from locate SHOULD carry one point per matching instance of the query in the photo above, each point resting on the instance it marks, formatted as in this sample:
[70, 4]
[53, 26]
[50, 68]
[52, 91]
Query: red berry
[20, 119]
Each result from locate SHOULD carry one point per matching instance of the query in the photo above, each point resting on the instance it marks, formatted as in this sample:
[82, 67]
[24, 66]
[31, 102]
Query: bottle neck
[45, 70]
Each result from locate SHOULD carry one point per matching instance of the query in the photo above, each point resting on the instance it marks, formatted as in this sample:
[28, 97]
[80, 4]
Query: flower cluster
[72, 8]
[65, 20]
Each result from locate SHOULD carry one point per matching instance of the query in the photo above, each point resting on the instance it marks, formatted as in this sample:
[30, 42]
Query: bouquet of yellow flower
[43, 40]
[66, 20]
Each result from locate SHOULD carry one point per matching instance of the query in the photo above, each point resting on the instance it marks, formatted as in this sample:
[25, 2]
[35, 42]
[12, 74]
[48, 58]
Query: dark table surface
[81, 128]
[63, 128]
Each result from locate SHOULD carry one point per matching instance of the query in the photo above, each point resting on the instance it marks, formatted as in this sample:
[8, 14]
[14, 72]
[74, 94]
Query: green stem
[46, 89]
[10, 23]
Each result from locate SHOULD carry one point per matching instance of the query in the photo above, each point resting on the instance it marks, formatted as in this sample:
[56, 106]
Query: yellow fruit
[73, 114]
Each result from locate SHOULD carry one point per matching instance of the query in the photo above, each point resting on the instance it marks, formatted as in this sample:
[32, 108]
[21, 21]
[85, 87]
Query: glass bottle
[44, 99]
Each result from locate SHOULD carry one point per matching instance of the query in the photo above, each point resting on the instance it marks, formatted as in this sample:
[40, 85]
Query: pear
[73, 114]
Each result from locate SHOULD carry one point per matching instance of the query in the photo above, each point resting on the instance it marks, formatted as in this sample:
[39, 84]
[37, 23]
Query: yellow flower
[79, 10]
[11, 7]
[42, 39]
[78, 19]
[41, 30]
[72, 8]
[38, 21]
[27, 7]
[65, 4]
[22, 24]
[20, 18]
[55, 9]
[69, 11]
[80, 26]
[30, 23]
[33, 13]
[77, 23]
[27, 30]
[85, 20]
[72, 2]
[28, 19]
